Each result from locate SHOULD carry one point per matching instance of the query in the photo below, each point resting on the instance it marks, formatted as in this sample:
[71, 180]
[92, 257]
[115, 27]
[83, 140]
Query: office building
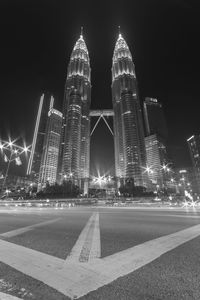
[156, 140]
[154, 118]
[49, 161]
[194, 148]
[185, 180]
[45, 104]
[156, 162]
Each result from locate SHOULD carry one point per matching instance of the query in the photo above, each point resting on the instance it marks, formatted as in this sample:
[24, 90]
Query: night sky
[37, 38]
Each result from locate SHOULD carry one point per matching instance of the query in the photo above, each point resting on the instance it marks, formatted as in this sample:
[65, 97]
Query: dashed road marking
[22, 230]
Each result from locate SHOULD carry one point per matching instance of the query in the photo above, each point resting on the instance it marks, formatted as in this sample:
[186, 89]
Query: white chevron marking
[76, 279]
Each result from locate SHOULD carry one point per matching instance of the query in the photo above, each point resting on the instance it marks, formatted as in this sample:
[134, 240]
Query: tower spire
[119, 31]
[81, 36]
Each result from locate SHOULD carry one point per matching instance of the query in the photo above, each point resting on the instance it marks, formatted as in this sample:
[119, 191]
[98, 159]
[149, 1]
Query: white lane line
[4, 296]
[22, 230]
[75, 279]
[129, 260]
[95, 251]
[120, 264]
[88, 245]
[43, 267]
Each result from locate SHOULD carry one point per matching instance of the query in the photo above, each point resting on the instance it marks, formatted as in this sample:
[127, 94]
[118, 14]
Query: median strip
[88, 245]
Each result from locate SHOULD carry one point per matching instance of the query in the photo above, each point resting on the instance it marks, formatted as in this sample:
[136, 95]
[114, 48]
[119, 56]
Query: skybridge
[101, 114]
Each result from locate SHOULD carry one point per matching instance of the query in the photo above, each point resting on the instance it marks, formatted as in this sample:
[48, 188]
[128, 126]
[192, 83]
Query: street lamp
[70, 176]
[148, 169]
[25, 149]
[11, 152]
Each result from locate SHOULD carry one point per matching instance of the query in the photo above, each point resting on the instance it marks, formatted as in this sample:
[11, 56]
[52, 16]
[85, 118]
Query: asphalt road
[172, 276]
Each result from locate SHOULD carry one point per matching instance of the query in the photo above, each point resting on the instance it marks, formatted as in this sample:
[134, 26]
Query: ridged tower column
[75, 147]
[128, 126]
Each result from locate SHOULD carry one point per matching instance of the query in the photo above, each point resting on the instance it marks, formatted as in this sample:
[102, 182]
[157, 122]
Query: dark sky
[37, 38]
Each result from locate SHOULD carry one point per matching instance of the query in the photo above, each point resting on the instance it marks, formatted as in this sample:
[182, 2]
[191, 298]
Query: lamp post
[150, 175]
[11, 152]
[71, 178]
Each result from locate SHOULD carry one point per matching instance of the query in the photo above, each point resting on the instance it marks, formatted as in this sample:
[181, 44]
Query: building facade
[156, 144]
[194, 148]
[154, 118]
[75, 143]
[156, 158]
[185, 180]
[45, 104]
[50, 153]
[128, 126]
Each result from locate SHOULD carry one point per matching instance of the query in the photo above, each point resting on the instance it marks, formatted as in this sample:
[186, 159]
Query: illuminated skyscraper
[154, 118]
[49, 161]
[75, 144]
[155, 142]
[46, 103]
[128, 125]
[194, 147]
[156, 159]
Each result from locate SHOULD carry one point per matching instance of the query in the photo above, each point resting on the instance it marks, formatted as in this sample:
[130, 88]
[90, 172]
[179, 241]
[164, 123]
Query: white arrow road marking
[76, 278]
[4, 296]
[19, 231]
[88, 245]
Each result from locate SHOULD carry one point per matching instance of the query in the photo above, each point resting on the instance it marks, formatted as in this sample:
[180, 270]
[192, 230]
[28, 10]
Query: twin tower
[129, 142]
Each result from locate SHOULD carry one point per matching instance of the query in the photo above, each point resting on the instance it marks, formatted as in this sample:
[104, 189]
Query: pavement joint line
[78, 279]
[88, 245]
[22, 230]
[4, 296]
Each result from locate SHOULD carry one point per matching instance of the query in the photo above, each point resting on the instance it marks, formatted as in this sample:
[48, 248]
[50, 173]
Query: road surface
[99, 253]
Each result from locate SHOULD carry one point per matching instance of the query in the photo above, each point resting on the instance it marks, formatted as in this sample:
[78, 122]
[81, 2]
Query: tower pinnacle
[119, 31]
[81, 35]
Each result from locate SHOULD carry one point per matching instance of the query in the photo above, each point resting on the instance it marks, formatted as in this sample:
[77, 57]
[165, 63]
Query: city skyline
[35, 70]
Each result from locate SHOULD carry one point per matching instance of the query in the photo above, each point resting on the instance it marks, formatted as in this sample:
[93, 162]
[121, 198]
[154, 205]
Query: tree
[65, 190]
[128, 188]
